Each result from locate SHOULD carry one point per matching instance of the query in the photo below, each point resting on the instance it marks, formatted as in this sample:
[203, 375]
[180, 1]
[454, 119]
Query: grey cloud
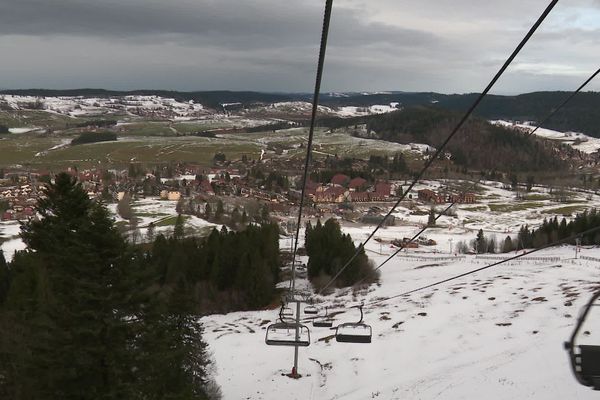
[442, 45]
[227, 23]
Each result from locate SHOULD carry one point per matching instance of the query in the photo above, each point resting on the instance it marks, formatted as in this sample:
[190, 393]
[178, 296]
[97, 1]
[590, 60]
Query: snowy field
[494, 335]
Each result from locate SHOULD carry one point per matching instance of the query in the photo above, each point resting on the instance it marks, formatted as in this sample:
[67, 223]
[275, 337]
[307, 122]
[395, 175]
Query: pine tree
[178, 229]
[431, 219]
[79, 336]
[207, 212]
[508, 245]
[150, 232]
[481, 242]
[264, 215]
[220, 211]
[4, 278]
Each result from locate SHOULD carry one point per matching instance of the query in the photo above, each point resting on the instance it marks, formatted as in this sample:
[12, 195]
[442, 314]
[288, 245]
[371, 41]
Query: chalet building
[170, 195]
[357, 184]
[9, 215]
[466, 198]
[429, 196]
[340, 179]
[330, 194]
[383, 189]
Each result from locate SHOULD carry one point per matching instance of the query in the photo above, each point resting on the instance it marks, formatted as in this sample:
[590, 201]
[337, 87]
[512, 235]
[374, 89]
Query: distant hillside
[579, 115]
[478, 145]
[212, 99]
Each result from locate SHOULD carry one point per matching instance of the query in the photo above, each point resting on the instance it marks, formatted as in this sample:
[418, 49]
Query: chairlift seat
[284, 334]
[353, 333]
[588, 364]
[323, 324]
[311, 310]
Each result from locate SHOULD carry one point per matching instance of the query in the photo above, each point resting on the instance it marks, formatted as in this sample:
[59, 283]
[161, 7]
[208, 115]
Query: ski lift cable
[315, 104]
[516, 257]
[554, 111]
[566, 100]
[450, 136]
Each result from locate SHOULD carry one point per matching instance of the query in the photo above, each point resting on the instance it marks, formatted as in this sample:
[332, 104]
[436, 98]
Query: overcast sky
[450, 46]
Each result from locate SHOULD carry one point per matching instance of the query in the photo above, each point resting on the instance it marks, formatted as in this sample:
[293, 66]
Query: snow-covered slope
[494, 335]
[577, 140]
[91, 106]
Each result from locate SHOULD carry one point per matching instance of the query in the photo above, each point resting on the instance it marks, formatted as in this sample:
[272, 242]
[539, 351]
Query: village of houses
[192, 186]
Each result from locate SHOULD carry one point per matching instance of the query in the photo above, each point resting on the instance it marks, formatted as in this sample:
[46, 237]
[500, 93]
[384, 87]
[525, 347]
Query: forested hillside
[478, 144]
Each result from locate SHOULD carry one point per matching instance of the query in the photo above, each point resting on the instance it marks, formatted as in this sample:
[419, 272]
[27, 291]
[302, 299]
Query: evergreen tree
[264, 215]
[178, 229]
[220, 211]
[508, 245]
[431, 218]
[79, 335]
[235, 216]
[207, 212]
[150, 232]
[530, 182]
[481, 242]
[4, 278]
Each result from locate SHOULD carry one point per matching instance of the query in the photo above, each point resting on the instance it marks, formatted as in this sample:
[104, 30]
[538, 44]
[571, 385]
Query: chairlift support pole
[295, 368]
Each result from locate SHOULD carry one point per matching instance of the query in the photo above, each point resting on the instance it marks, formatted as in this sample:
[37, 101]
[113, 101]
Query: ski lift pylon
[354, 332]
[585, 358]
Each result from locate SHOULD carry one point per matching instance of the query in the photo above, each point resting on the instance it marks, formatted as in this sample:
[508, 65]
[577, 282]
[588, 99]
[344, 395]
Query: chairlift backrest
[287, 312]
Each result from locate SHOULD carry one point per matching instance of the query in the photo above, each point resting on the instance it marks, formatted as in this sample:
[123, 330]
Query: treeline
[328, 250]
[100, 123]
[478, 145]
[94, 137]
[551, 231]
[270, 127]
[85, 315]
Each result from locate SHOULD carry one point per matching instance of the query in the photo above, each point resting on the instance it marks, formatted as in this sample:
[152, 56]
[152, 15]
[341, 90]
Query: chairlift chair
[585, 359]
[354, 332]
[324, 322]
[287, 334]
[311, 310]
